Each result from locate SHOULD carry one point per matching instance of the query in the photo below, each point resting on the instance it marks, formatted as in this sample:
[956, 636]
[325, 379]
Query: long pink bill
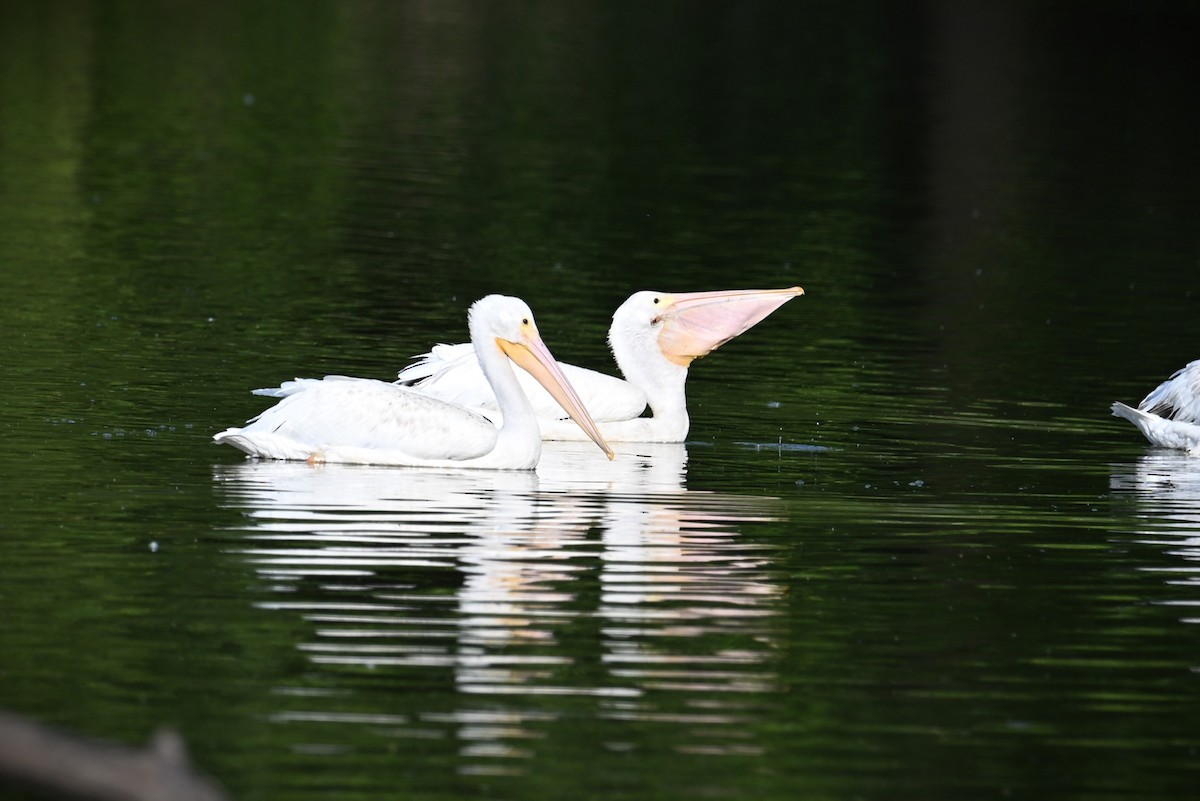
[697, 323]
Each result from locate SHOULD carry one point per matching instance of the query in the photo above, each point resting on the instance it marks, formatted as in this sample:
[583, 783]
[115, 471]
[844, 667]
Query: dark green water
[906, 552]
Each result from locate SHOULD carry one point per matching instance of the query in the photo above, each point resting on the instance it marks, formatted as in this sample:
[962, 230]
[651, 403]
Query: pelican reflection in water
[365, 558]
[1164, 488]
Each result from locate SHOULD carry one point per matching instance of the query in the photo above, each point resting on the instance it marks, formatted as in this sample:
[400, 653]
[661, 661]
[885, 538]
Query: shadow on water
[608, 587]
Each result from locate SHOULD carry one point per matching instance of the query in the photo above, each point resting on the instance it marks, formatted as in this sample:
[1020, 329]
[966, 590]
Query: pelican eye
[525, 321]
[656, 301]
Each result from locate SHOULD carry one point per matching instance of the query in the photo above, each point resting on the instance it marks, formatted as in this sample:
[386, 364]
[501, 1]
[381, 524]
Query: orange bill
[534, 357]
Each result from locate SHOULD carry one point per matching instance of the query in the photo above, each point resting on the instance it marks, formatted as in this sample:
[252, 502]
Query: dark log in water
[56, 764]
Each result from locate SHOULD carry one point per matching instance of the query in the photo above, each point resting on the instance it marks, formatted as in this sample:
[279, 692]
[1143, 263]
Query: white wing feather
[360, 413]
[297, 385]
[1177, 398]
[451, 373]
[1161, 431]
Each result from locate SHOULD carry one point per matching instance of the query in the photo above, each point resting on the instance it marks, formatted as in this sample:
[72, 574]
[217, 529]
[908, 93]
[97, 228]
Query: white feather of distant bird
[1170, 415]
[654, 338]
[364, 421]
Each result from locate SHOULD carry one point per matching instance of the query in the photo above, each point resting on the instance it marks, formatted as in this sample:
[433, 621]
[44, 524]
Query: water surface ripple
[482, 581]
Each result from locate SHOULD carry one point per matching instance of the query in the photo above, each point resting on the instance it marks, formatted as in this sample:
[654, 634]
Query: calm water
[906, 553]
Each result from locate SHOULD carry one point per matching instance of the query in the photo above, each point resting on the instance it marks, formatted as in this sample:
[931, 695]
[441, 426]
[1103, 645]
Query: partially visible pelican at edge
[1170, 415]
[363, 421]
[654, 338]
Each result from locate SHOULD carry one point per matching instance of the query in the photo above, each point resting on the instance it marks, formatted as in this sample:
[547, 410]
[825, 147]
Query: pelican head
[508, 322]
[683, 326]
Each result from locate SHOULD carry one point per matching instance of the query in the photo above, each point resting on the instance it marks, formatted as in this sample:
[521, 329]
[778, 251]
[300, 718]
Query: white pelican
[362, 421]
[1170, 415]
[654, 338]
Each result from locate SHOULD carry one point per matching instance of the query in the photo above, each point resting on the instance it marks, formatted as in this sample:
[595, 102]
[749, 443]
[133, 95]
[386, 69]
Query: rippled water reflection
[906, 554]
[1163, 488]
[476, 580]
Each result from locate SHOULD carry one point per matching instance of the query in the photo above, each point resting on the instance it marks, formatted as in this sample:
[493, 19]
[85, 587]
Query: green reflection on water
[992, 217]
